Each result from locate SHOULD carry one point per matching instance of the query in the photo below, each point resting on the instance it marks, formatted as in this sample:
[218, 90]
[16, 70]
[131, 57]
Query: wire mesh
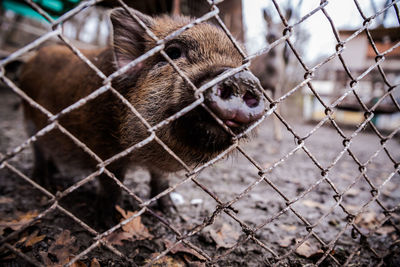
[249, 231]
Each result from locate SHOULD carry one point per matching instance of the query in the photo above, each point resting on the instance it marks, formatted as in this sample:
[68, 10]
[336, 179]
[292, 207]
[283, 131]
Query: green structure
[54, 8]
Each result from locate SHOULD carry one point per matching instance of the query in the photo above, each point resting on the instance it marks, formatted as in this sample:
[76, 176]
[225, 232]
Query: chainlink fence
[361, 245]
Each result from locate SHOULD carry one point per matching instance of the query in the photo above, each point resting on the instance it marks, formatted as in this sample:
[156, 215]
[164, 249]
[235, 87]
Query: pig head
[202, 53]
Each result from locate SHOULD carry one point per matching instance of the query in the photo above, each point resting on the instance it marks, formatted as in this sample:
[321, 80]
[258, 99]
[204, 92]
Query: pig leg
[43, 168]
[158, 183]
[108, 197]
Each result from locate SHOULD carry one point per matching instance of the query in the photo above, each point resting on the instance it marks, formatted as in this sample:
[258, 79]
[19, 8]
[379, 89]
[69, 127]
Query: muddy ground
[56, 238]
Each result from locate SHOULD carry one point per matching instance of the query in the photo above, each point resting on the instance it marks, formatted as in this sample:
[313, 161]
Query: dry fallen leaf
[288, 228]
[94, 263]
[166, 261]
[352, 208]
[367, 220]
[353, 192]
[135, 226]
[33, 238]
[16, 224]
[389, 188]
[313, 204]
[225, 237]
[286, 241]
[118, 236]
[307, 249]
[385, 230]
[182, 248]
[62, 248]
[266, 165]
[79, 264]
[191, 263]
[133, 230]
[394, 237]
[22, 240]
[6, 200]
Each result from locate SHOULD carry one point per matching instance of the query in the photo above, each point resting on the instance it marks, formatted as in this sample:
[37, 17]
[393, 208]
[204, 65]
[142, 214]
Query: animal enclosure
[326, 194]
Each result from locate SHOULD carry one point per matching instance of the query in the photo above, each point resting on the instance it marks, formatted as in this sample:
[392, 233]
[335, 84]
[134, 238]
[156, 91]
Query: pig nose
[237, 100]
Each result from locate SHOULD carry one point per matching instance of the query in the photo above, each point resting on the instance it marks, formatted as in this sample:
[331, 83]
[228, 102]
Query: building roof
[378, 34]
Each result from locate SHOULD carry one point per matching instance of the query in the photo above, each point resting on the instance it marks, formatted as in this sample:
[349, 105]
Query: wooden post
[176, 7]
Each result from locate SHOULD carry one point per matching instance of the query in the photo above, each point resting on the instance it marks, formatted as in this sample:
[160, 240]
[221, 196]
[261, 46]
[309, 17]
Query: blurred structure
[20, 24]
[230, 13]
[270, 67]
[359, 55]
[275, 68]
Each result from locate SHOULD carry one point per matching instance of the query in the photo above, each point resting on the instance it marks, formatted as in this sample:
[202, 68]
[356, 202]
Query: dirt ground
[56, 238]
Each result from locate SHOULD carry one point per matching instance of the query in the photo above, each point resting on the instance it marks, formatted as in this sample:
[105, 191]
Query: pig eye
[174, 52]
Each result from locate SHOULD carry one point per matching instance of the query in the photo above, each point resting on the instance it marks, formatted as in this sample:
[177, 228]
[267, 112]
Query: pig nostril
[250, 99]
[225, 92]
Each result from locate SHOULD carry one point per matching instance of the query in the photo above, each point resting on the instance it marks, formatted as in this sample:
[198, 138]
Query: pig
[270, 67]
[56, 78]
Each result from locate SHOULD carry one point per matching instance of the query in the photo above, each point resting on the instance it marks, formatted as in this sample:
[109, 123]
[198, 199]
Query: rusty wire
[249, 232]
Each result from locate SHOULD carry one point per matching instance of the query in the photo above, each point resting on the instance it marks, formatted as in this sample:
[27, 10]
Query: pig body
[56, 78]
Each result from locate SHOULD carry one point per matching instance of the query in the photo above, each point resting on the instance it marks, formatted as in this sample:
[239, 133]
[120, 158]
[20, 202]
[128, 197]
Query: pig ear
[128, 35]
[267, 16]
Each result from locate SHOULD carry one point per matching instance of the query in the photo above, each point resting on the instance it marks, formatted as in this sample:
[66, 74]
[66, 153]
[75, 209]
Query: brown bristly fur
[56, 78]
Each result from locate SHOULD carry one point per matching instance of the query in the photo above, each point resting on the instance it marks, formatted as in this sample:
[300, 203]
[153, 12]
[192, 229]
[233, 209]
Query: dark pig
[269, 68]
[56, 78]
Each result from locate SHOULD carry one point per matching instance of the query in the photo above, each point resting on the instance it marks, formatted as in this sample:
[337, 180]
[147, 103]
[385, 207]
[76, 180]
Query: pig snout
[237, 100]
